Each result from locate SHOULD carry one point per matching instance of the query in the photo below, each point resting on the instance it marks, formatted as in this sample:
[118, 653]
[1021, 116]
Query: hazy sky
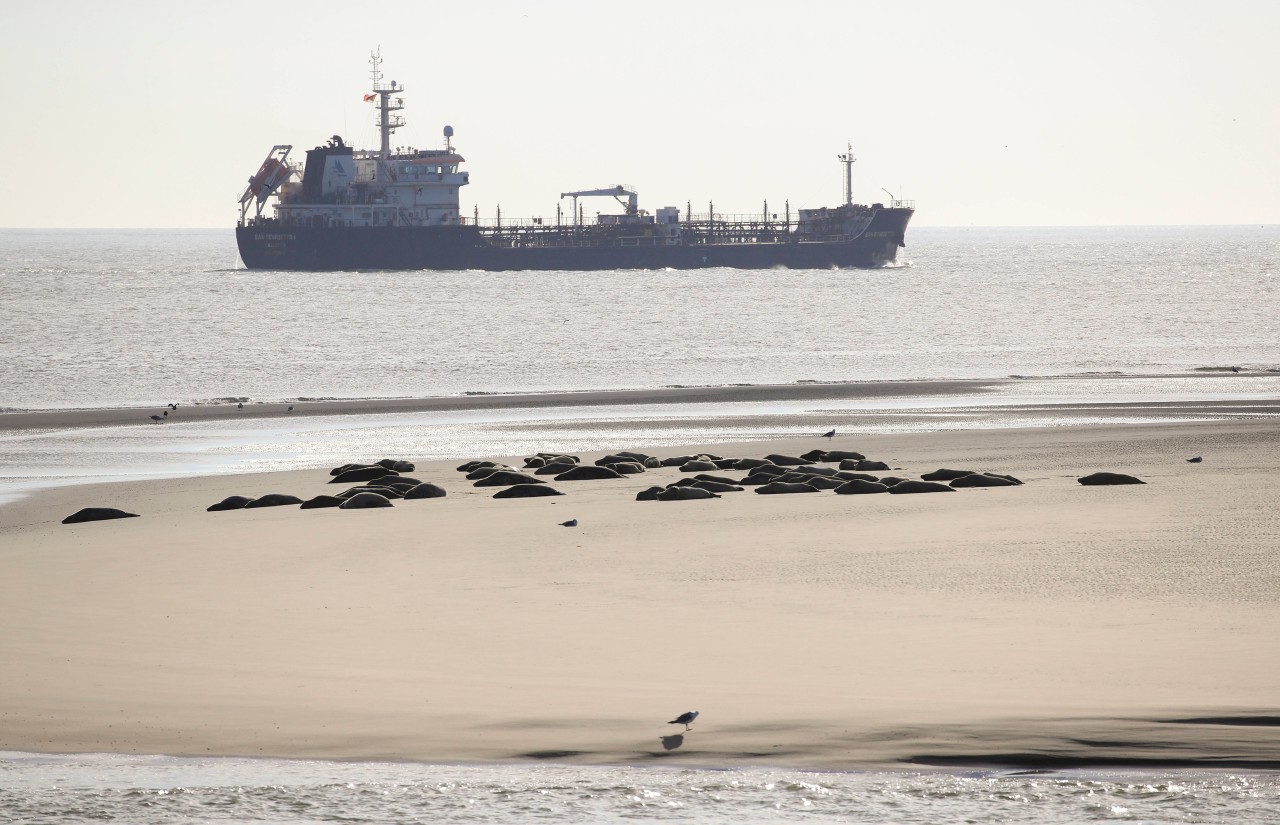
[154, 114]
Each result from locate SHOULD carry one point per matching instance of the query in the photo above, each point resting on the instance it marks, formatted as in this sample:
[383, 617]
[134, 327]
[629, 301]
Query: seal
[859, 487]
[365, 473]
[684, 494]
[527, 491]
[981, 480]
[321, 501]
[96, 514]
[1097, 479]
[229, 503]
[365, 501]
[584, 472]
[777, 487]
[944, 474]
[788, 460]
[920, 487]
[651, 494]
[272, 500]
[506, 478]
[385, 492]
[426, 490]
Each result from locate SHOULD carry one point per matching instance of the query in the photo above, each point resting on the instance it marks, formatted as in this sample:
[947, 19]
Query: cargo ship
[350, 209]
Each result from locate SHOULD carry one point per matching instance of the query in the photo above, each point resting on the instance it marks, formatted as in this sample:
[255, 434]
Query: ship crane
[632, 203]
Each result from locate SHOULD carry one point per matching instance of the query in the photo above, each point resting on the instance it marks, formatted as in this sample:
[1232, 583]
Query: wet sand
[1046, 624]
[226, 409]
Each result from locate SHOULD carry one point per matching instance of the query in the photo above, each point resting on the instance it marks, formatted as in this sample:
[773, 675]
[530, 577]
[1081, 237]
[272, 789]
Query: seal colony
[1043, 623]
[379, 483]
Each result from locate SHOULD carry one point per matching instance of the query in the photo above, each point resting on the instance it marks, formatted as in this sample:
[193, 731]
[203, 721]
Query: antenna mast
[387, 121]
[848, 160]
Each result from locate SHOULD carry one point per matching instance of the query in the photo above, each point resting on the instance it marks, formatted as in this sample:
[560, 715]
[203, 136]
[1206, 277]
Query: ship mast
[387, 121]
[848, 160]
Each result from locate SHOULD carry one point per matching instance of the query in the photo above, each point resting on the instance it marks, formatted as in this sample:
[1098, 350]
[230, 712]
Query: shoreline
[847, 391]
[807, 391]
[1048, 624]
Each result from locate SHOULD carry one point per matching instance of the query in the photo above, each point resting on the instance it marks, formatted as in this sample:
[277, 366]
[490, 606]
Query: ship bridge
[341, 186]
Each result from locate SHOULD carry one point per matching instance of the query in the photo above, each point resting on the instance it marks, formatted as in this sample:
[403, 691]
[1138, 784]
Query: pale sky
[154, 114]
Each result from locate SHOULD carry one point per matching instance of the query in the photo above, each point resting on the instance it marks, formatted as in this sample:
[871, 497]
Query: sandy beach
[1044, 624]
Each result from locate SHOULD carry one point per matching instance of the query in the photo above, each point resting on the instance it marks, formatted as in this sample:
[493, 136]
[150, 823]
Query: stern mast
[848, 160]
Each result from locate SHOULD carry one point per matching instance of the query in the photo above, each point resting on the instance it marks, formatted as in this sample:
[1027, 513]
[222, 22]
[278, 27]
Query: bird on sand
[156, 419]
[573, 522]
[829, 434]
[173, 406]
[240, 406]
[685, 719]
[290, 408]
[1235, 369]
[166, 413]
[1195, 460]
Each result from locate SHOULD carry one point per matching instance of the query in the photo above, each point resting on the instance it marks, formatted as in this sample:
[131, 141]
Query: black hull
[274, 246]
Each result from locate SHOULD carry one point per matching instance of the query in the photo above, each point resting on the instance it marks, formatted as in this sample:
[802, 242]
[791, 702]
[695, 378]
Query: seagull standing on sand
[829, 434]
[573, 522]
[685, 719]
[240, 406]
[290, 408]
[156, 419]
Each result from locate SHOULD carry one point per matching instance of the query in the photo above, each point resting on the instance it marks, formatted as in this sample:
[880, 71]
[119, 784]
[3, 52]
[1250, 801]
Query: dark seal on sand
[920, 487]
[273, 500]
[981, 480]
[1109, 478]
[321, 501]
[506, 478]
[96, 514]
[776, 487]
[859, 487]
[425, 490]
[585, 472]
[684, 494]
[944, 474]
[788, 460]
[365, 501]
[527, 491]
[229, 503]
[715, 486]
[360, 474]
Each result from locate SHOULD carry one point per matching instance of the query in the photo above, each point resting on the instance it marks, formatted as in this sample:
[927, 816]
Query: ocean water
[141, 318]
[108, 318]
[150, 790]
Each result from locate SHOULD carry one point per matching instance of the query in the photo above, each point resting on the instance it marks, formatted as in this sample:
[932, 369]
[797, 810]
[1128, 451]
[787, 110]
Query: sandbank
[1045, 624]
[227, 409]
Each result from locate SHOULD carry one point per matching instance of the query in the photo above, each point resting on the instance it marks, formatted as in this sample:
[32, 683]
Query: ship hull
[323, 248]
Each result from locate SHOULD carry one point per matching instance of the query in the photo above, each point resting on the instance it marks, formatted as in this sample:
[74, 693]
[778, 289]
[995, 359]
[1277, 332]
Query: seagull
[1196, 460]
[166, 413]
[829, 434]
[685, 719]
[290, 408]
[1235, 369]
[573, 522]
[173, 406]
[240, 406]
[156, 419]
